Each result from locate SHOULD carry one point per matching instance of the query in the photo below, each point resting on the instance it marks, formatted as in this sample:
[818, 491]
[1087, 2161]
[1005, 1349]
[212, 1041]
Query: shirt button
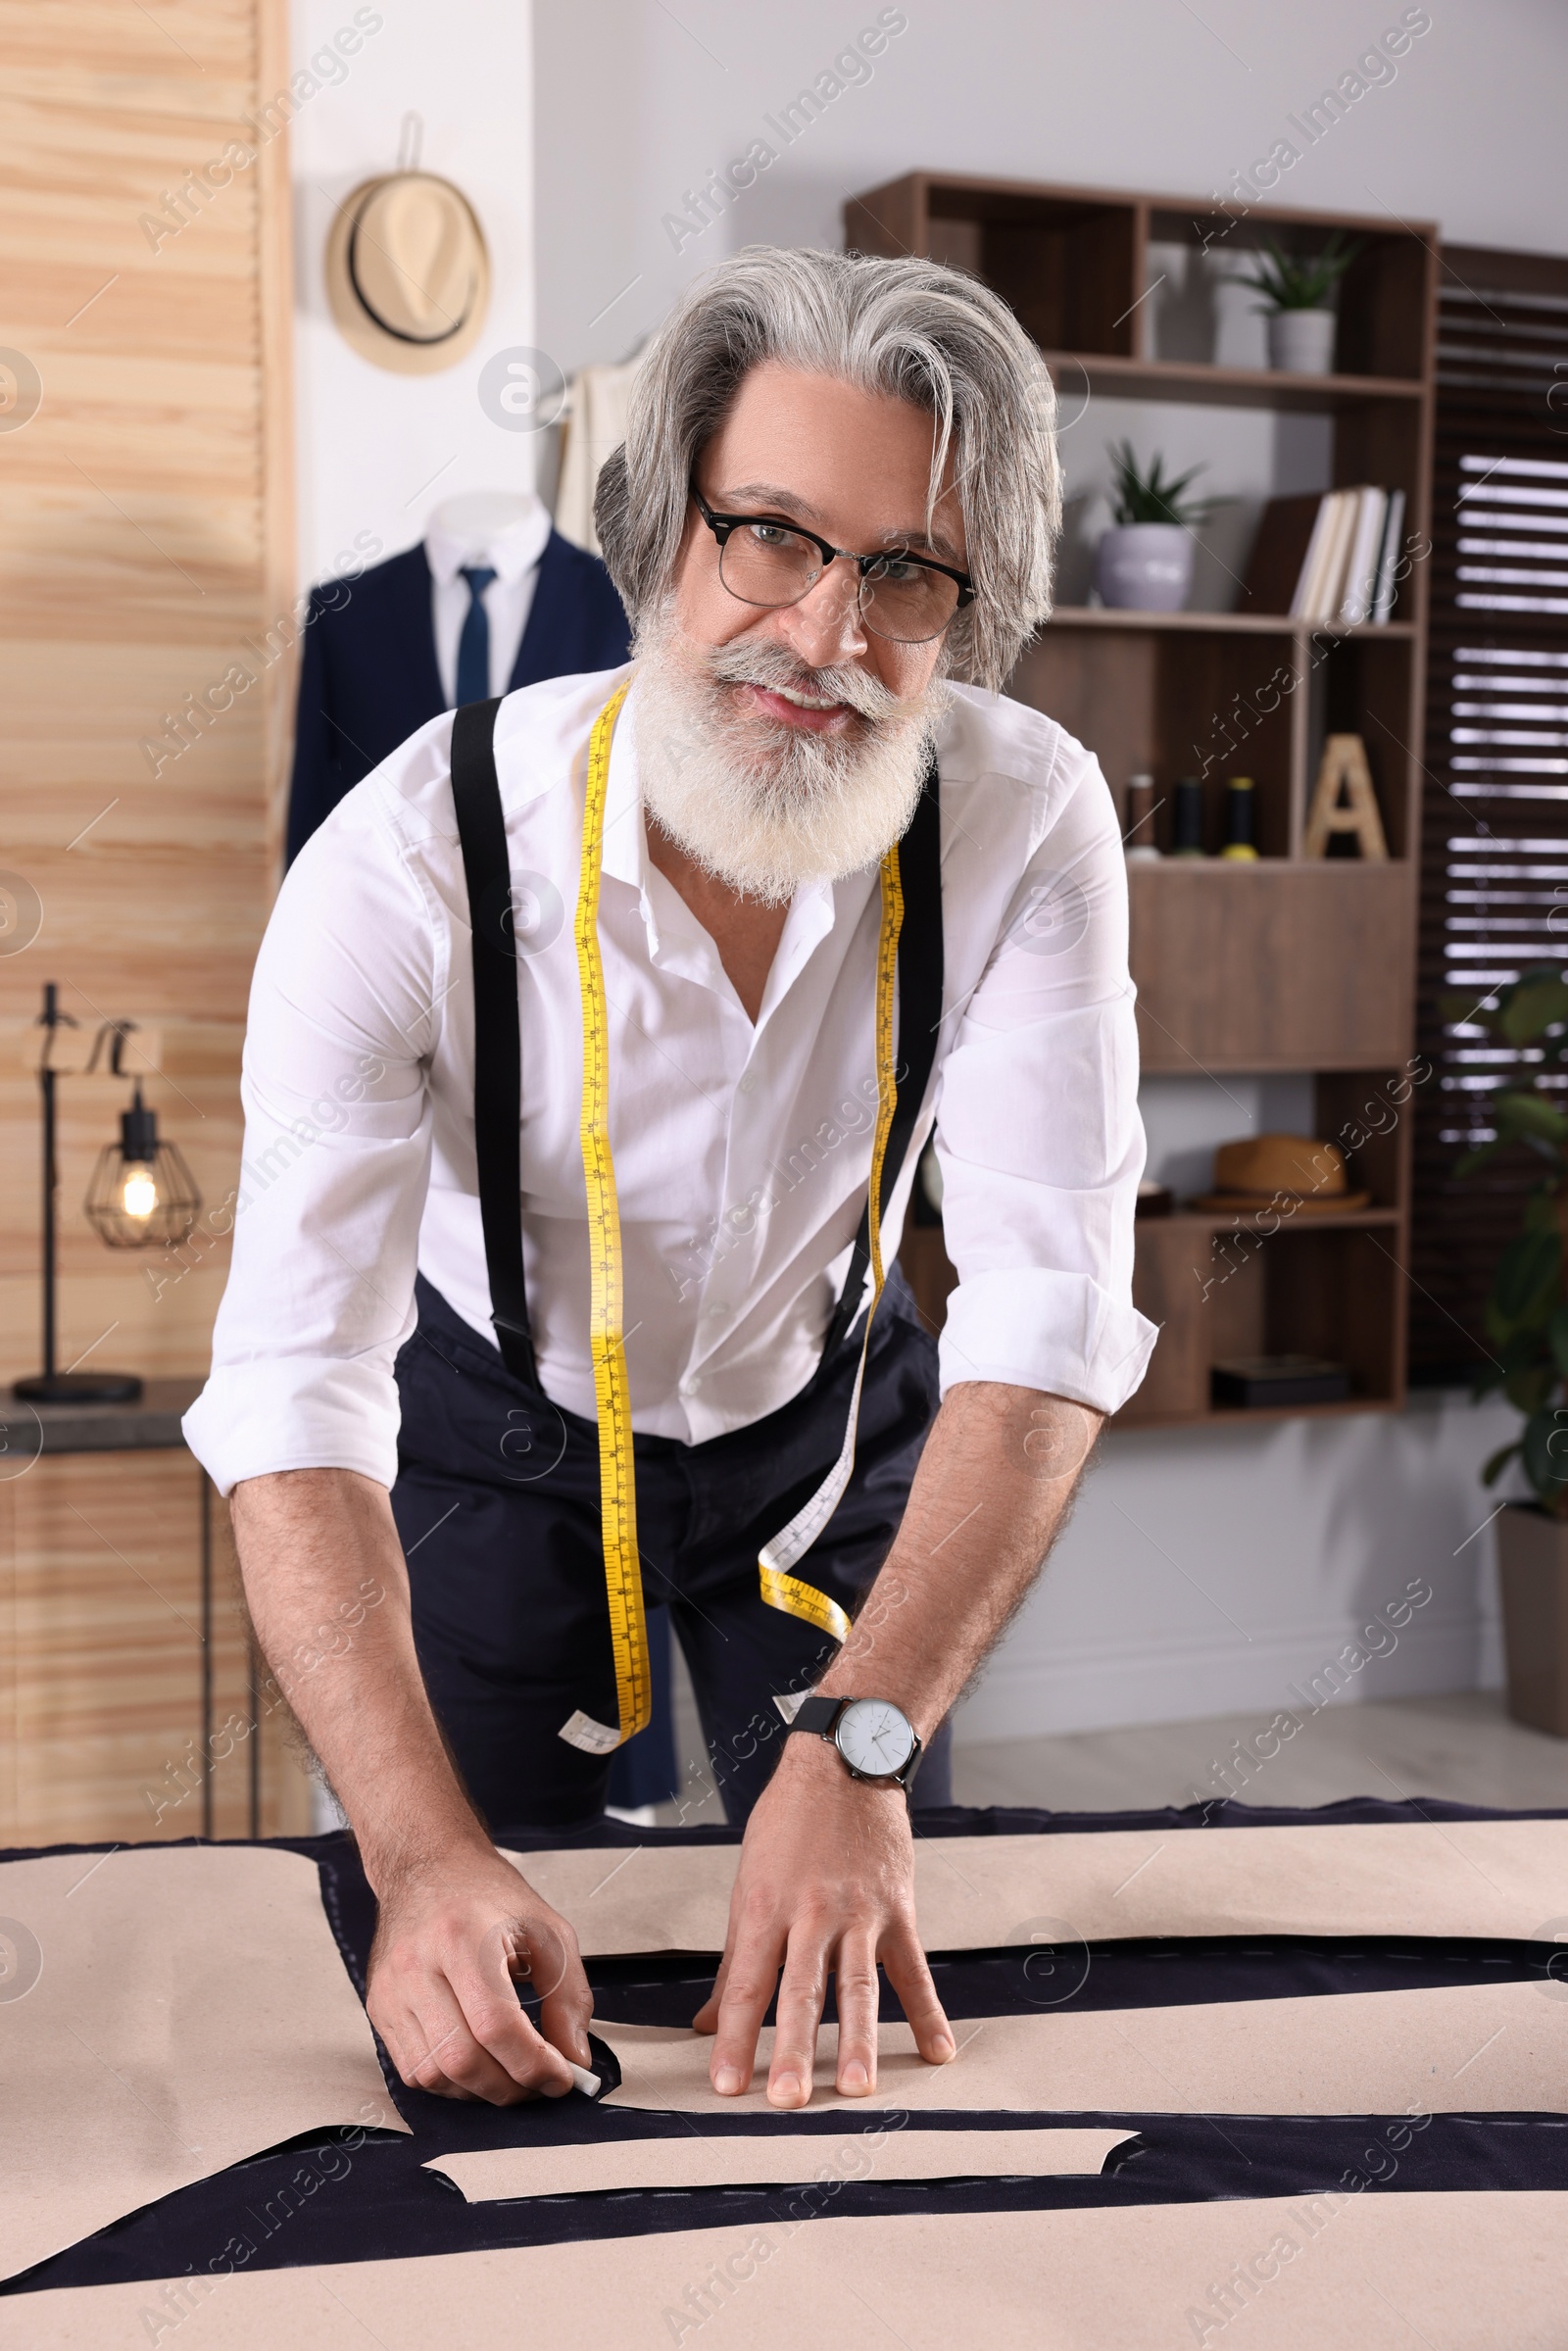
[716, 1314]
[747, 1083]
[691, 1384]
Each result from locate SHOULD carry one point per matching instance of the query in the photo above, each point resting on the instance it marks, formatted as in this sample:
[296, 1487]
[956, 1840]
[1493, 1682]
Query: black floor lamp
[141, 1194]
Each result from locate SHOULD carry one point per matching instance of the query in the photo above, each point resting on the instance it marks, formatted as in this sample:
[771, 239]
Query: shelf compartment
[1178, 702]
[1384, 297]
[1327, 1290]
[1282, 965]
[1362, 687]
[1065, 260]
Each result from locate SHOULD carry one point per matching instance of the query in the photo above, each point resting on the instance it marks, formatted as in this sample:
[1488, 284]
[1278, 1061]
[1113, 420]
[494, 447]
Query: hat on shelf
[1264, 1170]
[407, 275]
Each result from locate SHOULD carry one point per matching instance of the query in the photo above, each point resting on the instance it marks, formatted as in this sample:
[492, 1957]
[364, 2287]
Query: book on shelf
[1359, 586]
[1327, 555]
[1388, 556]
[1321, 595]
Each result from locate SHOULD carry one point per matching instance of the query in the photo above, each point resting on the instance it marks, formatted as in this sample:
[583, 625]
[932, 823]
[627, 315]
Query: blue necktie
[473, 646]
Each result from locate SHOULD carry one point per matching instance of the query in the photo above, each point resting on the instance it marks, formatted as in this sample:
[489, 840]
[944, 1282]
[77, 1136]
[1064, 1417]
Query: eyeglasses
[901, 597]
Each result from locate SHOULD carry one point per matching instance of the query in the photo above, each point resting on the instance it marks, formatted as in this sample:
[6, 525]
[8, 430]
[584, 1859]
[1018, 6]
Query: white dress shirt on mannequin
[505, 531]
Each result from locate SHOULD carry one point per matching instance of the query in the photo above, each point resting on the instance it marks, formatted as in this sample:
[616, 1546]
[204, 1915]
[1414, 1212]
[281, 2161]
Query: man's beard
[757, 803]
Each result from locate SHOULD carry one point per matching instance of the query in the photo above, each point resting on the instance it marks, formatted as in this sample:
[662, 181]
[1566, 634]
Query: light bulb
[138, 1195]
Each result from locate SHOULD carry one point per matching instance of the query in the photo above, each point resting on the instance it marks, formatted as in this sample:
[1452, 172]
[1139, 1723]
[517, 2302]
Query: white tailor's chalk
[587, 2083]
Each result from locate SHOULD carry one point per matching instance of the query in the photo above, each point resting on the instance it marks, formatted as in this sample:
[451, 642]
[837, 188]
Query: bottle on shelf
[1137, 833]
[1187, 830]
[1239, 846]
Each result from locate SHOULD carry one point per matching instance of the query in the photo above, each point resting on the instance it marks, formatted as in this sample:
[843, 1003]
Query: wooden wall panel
[100, 1660]
[145, 547]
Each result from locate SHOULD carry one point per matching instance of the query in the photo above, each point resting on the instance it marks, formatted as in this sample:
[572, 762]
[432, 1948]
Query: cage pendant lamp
[142, 1193]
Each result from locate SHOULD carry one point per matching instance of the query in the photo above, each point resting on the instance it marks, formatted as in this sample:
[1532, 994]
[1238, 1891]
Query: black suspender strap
[920, 976]
[497, 1031]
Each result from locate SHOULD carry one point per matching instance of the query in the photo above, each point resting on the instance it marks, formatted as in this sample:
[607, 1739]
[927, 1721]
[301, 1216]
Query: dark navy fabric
[367, 670]
[496, 1503]
[473, 640]
[338, 2196]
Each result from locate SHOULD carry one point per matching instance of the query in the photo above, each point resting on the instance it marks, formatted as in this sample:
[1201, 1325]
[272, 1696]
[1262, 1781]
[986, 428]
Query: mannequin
[500, 531]
[384, 654]
[476, 516]
[381, 653]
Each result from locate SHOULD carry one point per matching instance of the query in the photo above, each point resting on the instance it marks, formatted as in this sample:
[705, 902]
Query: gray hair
[924, 333]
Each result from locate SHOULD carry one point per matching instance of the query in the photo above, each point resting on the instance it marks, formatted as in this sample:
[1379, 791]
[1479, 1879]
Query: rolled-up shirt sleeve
[343, 1009]
[1039, 1138]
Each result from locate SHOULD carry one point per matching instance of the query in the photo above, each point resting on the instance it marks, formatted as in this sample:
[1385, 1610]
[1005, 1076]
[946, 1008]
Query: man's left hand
[826, 1886]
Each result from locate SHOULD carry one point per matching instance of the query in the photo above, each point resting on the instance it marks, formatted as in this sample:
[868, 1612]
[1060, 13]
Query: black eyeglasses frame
[722, 525]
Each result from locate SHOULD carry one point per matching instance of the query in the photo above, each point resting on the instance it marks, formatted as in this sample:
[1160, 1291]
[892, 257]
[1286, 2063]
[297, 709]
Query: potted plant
[1296, 292]
[1144, 562]
[1527, 1323]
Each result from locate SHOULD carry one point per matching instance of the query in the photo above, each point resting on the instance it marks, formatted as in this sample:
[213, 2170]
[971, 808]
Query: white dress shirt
[742, 1150]
[512, 555]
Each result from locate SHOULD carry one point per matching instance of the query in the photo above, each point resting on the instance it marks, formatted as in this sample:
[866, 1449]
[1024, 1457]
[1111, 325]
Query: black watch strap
[821, 1716]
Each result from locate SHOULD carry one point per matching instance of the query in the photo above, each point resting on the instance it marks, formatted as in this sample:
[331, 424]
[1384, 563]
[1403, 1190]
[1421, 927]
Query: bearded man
[593, 1046]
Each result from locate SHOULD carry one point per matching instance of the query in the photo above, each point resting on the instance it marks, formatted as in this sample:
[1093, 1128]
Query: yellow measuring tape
[617, 1480]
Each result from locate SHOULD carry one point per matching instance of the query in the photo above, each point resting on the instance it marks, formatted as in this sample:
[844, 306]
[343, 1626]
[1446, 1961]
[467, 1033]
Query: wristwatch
[875, 1740]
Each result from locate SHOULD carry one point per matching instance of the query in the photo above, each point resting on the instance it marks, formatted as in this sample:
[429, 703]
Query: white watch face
[873, 1737]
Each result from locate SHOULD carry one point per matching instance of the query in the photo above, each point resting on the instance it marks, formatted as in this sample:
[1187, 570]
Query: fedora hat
[1265, 1168]
[407, 275]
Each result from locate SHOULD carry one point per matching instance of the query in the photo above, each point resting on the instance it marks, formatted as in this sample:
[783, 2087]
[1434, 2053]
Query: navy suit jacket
[369, 676]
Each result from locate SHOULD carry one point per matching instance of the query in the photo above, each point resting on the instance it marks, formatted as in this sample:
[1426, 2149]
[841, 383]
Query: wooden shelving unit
[1290, 964]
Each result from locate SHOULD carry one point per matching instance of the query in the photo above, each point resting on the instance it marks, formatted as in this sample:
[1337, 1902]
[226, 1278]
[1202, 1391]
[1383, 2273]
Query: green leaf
[1540, 1210]
[1528, 1275]
[1535, 1003]
[1480, 1155]
[1530, 1389]
[1558, 1340]
[1499, 1462]
[1528, 1114]
[1290, 281]
[1150, 497]
[1545, 1449]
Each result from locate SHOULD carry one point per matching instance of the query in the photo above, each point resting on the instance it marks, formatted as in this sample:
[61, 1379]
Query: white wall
[1201, 1574]
[374, 450]
[637, 101]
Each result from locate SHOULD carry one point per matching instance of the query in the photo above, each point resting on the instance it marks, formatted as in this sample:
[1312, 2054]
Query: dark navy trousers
[497, 1505]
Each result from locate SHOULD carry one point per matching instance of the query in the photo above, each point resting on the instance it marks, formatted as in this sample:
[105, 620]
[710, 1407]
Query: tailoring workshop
[784, 1175]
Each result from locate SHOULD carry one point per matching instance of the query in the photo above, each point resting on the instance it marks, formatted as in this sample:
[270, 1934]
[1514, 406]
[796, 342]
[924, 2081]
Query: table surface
[384, 2204]
[150, 1424]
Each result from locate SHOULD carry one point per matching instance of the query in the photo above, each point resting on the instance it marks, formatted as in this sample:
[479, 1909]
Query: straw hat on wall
[407, 275]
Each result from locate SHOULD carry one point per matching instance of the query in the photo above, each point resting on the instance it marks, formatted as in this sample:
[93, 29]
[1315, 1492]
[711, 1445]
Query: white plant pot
[1145, 566]
[1301, 342]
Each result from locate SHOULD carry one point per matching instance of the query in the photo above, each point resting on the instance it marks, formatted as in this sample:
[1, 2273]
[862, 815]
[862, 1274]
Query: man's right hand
[454, 1938]
[460, 1928]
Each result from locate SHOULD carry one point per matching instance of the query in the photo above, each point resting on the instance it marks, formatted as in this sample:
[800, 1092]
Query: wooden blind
[1495, 820]
[145, 552]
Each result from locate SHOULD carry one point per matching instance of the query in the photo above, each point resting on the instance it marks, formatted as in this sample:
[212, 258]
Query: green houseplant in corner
[1526, 1327]
[1296, 292]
